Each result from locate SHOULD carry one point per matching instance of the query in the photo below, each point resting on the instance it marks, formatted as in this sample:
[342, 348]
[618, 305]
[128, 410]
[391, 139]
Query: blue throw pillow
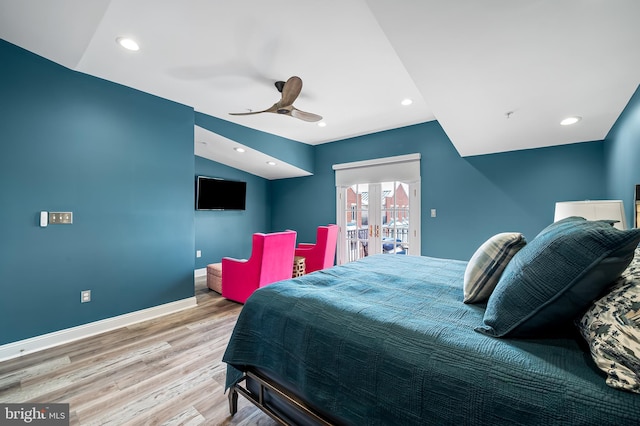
[557, 276]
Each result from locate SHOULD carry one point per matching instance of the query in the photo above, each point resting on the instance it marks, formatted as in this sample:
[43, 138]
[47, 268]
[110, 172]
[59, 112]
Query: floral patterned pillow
[611, 327]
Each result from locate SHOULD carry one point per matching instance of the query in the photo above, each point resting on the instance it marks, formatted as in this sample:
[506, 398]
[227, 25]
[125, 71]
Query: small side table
[214, 277]
[298, 266]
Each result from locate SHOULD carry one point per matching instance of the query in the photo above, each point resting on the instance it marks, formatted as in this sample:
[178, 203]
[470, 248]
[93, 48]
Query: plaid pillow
[487, 263]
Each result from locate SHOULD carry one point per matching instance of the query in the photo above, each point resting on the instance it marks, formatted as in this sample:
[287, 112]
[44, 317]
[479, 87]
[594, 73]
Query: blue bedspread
[386, 340]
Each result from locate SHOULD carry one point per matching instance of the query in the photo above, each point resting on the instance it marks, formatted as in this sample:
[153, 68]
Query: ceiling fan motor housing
[279, 85]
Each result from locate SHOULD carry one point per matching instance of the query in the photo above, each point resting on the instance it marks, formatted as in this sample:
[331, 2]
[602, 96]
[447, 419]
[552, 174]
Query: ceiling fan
[290, 91]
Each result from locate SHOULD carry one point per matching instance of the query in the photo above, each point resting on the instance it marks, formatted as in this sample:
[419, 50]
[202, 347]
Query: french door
[378, 218]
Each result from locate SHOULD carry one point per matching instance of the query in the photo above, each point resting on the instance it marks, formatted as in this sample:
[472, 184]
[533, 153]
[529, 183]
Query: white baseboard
[200, 272]
[45, 341]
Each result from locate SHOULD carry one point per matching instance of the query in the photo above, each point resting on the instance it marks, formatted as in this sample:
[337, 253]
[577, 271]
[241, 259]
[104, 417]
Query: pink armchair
[271, 260]
[321, 254]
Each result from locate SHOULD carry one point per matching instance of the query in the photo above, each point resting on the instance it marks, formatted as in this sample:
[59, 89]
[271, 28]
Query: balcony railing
[395, 240]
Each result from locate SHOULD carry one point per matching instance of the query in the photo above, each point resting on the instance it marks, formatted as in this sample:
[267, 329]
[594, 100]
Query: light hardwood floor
[166, 371]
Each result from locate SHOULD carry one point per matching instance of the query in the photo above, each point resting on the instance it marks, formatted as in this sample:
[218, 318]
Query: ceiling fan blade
[273, 108]
[290, 91]
[246, 113]
[306, 116]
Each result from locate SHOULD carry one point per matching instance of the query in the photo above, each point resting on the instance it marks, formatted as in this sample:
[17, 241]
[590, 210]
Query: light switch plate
[57, 218]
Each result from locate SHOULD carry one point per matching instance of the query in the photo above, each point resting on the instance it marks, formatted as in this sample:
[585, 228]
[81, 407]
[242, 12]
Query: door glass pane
[357, 220]
[376, 220]
[395, 217]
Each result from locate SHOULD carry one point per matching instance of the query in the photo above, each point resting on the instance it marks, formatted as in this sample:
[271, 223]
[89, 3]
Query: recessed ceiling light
[322, 124]
[570, 120]
[271, 163]
[238, 149]
[127, 43]
[406, 102]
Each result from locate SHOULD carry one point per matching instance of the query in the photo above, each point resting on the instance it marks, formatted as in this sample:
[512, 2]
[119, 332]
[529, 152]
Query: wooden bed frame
[277, 402]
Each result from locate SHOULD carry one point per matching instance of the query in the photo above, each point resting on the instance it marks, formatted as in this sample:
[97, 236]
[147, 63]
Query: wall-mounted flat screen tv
[220, 194]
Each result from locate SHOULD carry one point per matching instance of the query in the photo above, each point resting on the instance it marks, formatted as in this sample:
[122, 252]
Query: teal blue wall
[475, 197]
[228, 233]
[122, 161]
[623, 156]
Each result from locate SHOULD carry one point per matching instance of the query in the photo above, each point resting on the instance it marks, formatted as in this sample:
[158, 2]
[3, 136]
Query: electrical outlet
[85, 296]
[198, 253]
[433, 212]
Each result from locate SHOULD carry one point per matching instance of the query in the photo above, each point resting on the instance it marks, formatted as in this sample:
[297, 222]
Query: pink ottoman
[214, 277]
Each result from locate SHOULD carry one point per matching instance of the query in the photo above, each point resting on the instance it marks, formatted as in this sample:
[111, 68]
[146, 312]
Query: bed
[387, 340]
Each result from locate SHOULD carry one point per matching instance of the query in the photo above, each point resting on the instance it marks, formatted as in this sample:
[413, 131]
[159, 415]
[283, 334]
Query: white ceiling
[498, 75]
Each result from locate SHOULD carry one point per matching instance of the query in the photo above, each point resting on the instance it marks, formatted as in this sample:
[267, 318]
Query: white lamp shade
[593, 210]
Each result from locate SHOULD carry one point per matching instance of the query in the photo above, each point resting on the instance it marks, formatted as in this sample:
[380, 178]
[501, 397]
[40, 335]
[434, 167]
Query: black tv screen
[220, 194]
